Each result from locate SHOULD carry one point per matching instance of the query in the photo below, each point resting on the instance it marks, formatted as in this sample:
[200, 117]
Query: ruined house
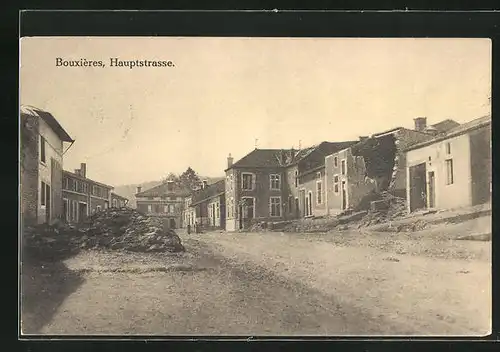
[41, 160]
[451, 170]
[374, 165]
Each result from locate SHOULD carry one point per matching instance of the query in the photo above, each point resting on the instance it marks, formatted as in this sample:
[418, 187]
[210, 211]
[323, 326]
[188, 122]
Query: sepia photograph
[255, 186]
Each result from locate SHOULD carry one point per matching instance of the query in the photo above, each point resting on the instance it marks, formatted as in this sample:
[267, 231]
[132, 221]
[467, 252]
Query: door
[213, 214]
[418, 198]
[344, 195]
[297, 209]
[432, 189]
[302, 203]
[82, 211]
[47, 203]
[172, 224]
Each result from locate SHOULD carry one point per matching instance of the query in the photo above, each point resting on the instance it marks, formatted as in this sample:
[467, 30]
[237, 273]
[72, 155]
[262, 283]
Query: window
[448, 148]
[165, 209]
[114, 203]
[247, 181]
[336, 184]
[171, 208]
[449, 171]
[217, 209]
[43, 191]
[319, 192]
[290, 204]
[65, 183]
[98, 208]
[42, 150]
[335, 161]
[296, 178]
[318, 175]
[150, 208]
[275, 206]
[275, 181]
[74, 215]
[342, 167]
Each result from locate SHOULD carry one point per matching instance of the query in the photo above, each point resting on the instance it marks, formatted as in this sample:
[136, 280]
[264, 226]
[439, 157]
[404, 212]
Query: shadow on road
[44, 287]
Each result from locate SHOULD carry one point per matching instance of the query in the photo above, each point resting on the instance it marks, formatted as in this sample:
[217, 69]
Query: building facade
[165, 200]
[452, 170]
[209, 206]
[276, 185]
[118, 201]
[82, 196]
[41, 160]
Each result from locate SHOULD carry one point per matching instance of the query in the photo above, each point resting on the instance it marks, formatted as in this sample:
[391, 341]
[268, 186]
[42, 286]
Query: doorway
[418, 194]
[302, 203]
[344, 195]
[82, 211]
[246, 211]
[172, 224]
[48, 205]
[297, 209]
[432, 190]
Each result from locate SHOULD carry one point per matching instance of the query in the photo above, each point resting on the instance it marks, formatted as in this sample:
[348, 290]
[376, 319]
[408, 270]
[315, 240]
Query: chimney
[420, 123]
[205, 184]
[229, 161]
[139, 188]
[83, 170]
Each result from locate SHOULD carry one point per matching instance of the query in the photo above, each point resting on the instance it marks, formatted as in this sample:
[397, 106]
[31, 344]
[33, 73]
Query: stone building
[41, 166]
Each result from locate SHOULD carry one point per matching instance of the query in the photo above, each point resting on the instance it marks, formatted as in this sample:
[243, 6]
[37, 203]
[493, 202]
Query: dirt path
[241, 285]
[420, 294]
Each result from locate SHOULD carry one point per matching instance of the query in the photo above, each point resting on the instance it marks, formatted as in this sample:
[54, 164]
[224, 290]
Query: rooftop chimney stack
[205, 184]
[139, 188]
[83, 169]
[420, 123]
[229, 160]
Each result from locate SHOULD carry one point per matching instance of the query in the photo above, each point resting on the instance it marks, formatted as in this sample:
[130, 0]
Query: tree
[190, 179]
[171, 177]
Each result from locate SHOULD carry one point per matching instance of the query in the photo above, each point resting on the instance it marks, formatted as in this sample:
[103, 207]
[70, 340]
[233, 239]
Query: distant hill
[129, 191]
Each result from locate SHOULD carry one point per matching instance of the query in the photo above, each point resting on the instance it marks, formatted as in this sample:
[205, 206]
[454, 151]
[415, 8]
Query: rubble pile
[114, 229]
[126, 228]
[45, 241]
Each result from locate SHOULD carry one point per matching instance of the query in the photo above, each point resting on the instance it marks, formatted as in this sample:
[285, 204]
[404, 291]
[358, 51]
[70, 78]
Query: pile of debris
[50, 241]
[126, 228]
[114, 228]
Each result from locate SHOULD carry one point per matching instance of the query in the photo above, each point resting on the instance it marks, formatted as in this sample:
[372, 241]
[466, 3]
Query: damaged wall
[379, 156]
[357, 185]
[404, 138]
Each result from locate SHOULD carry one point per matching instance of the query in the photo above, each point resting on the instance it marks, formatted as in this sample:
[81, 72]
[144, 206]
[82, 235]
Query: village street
[269, 284]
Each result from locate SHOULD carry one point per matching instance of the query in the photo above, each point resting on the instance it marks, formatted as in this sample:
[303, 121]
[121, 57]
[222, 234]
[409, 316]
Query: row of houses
[48, 192]
[444, 165]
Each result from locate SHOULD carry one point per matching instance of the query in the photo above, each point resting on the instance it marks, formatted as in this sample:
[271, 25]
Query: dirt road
[240, 285]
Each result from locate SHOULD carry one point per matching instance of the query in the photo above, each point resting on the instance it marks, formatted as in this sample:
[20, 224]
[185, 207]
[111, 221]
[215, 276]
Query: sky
[229, 95]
